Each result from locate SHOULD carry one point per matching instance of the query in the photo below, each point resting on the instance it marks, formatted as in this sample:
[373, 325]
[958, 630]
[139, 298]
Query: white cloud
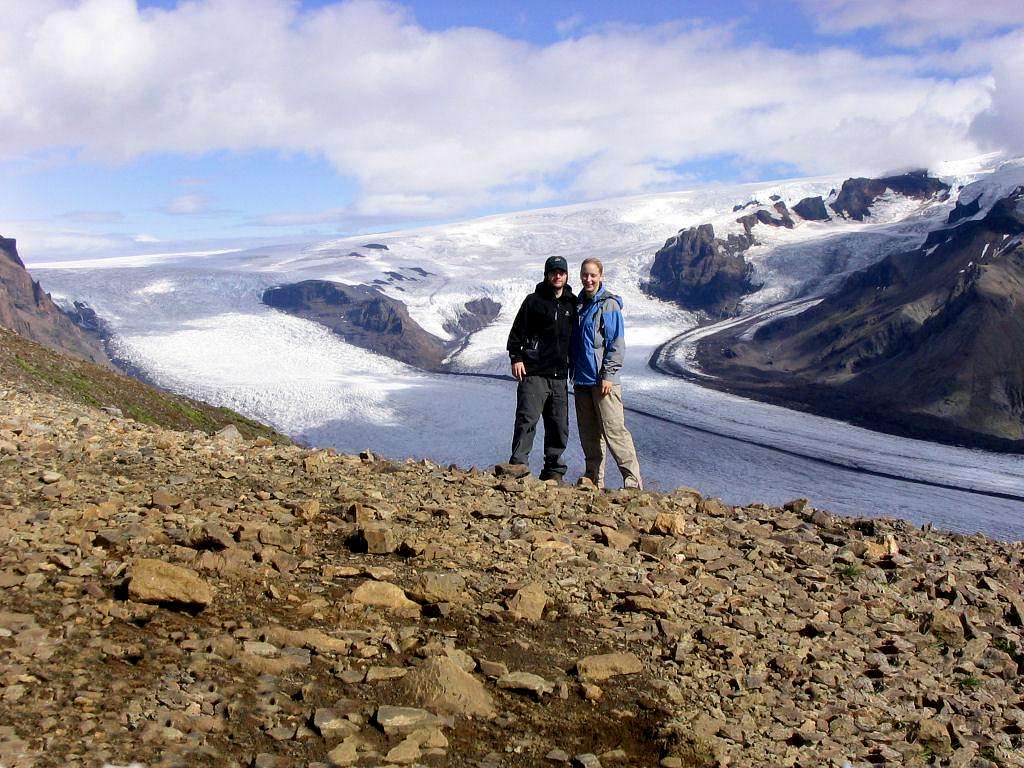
[37, 239]
[432, 124]
[190, 204]
[91, 217]
[914, 22]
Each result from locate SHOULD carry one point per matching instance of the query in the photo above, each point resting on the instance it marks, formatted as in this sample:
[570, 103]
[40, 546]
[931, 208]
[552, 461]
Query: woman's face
[590, 277]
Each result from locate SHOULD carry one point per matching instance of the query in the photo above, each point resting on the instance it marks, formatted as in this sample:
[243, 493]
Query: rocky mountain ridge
[28, 310]
[175, 598]
[925, 342]
[708, 274]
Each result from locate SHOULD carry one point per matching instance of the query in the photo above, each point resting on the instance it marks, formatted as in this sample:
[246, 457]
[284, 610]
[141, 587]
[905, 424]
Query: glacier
[194, 323]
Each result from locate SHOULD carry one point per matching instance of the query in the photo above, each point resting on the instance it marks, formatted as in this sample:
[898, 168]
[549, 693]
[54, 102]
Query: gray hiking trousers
[539, 396]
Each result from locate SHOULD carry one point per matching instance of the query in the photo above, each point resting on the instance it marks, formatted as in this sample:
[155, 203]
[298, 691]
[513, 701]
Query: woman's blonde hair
[596, 262]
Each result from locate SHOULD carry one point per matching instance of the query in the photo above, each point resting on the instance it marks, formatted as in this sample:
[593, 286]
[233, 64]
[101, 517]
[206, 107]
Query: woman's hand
[519, 371]
[606, 387]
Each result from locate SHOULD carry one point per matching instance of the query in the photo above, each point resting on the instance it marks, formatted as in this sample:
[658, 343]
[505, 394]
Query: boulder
[381, 594]
[529, 602]
[154, 581]
[442, 686]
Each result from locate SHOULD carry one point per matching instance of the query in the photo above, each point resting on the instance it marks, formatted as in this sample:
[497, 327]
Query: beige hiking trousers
[600, 420]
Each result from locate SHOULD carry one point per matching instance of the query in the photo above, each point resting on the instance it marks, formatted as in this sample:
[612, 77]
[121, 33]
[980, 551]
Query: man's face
[557, 278]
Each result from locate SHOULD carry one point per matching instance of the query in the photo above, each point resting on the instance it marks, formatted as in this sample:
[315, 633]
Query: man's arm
[516, 340]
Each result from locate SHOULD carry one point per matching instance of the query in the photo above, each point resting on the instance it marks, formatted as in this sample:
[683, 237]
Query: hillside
[29, 367]
[180, 599]
[926, 342]
[28, 310]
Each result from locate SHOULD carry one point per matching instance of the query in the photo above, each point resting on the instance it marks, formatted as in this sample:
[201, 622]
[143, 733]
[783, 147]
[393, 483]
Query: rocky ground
[176, 598]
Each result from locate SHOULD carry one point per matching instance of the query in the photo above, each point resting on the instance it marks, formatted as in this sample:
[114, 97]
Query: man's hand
[606, 387]
[519, 371]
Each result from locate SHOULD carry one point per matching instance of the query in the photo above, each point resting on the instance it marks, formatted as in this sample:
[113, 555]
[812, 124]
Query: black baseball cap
[555, 263]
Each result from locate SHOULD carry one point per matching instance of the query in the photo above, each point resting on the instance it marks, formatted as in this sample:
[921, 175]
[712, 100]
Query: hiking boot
[511, 470]
[556, 476]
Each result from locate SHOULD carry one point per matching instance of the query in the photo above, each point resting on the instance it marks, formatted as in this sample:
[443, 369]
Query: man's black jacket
[540, 333]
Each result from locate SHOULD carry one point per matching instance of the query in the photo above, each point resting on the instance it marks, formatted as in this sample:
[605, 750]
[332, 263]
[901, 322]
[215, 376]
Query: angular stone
[617, 539]
[603, 666]
[439, 587]
[430, 738]
[333, 725]
[525, 682]
[164, 499]
[154, 581]
[946, 626]
[403, 720]
[229, 434]
[529, 602]
[668, 524]
[441, 685]
[343, 755]
[492, 669]
[935, 736]
[380, 674]
[379, 538]
[381, 594]
[405, 752]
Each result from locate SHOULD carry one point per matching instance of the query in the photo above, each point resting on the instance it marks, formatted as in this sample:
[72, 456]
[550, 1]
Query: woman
[597, 349]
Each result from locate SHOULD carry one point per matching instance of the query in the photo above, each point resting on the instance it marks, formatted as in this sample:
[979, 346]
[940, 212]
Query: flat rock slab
[154, 581]
[381, 594]
[404, 720]
[606, 665]
[525, 682]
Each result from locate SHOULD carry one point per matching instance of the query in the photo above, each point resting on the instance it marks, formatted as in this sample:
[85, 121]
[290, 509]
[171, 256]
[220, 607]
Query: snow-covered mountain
[925, 342]
[195, 323]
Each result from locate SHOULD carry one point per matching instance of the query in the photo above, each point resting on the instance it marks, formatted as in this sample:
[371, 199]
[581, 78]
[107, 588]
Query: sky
[166, 124]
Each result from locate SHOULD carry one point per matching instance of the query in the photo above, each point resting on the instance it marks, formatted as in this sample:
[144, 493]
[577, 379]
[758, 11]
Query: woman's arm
[614, 344]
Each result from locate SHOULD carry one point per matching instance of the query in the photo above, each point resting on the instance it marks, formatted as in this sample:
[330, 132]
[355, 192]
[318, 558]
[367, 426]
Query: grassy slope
[28, 365]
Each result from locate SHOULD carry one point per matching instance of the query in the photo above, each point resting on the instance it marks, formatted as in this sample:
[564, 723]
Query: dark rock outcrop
[370, 319]
[811, 209]
[701, 272]
[857, 195]
[375, 246]
[925, 342]
[366, 318]
[85, 317]
[762, 216]
[963, 211]
[478, 314]
[28, 310]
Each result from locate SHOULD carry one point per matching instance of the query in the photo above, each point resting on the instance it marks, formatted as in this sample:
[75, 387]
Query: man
[538, 346]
